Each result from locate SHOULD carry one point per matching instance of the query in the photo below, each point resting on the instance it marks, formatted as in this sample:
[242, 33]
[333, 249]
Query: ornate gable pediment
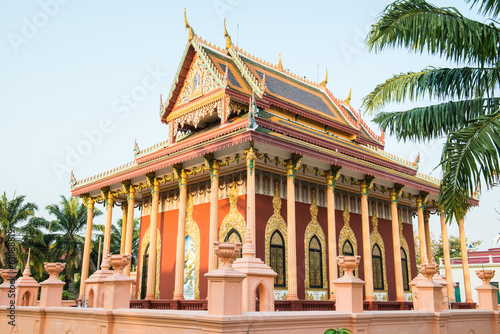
[198, 82]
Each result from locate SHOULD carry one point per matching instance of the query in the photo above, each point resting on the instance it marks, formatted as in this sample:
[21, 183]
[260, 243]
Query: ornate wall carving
[145, 242]
[198, 82]
[376, 238]
[276, 222]
[314, 229]
[234, 219]
[192, 256]
[346, 233]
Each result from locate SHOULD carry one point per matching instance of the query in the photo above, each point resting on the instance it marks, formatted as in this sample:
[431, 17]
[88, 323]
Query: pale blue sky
[69, 70]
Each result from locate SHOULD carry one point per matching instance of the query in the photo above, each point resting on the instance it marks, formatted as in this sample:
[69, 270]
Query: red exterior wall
[264, 210]
[167, 223]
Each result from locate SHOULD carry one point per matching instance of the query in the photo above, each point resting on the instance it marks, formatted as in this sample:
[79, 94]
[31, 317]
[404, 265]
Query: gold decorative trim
[145, 242]
[346, 233]
[198, 82]
[194, 232]
[276, 222]
[314, 229]
[234, 219]
[404, 245]
[376, 238]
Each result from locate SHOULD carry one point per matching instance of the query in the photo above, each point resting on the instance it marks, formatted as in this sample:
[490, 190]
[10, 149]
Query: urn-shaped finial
[485, 275]
[54, 268]
[119, 261]
[348, 263]
[227, 251]
[428, 270]
[8, 274]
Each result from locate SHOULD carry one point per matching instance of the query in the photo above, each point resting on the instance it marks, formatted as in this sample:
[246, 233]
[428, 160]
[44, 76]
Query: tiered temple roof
[222, 97]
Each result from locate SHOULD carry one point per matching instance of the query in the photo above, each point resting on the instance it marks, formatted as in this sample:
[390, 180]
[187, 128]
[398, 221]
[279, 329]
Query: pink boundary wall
[57, 320]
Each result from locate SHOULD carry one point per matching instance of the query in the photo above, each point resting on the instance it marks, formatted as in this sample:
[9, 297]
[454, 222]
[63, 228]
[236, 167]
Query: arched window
[347, 249]
[315, 264]
[144, 273]
[278, 258]
[233, 236]
[378, 269]
[404, 266]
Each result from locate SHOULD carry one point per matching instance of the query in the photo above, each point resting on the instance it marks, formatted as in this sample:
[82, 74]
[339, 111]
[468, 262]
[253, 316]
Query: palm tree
[34, 238]
[13, 213]
[467, 112]
[67, 229]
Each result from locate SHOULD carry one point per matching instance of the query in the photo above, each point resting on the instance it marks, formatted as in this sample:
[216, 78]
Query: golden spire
[324, 82]
[191, 31]
[348, 100]
[280, 64]
[228, 38]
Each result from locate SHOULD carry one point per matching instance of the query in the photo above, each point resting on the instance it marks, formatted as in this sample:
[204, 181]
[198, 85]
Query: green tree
[67, 229]
[116, 236]
[455, 251]
[13, 213]
[437, 247]
[468, 110]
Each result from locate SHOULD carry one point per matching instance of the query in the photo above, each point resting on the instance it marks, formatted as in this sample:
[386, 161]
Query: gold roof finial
[280, 64]
[348, 100]
[324, 82]
[228, 38]
[191, 31]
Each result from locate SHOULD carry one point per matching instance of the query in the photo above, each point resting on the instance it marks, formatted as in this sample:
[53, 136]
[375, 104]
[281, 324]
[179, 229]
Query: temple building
[252, 146]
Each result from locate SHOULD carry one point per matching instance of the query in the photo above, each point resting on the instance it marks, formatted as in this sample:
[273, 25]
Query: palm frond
[491, 7]
[434, 121]
[470, 155]
[422, 27]
[436, 83]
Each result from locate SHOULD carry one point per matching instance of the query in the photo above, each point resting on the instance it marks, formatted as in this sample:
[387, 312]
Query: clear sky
[81, 80]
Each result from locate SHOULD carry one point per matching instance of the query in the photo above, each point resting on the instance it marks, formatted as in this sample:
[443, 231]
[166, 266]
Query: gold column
[367, 254]
[214, 215]
[88, 240]
[331, 178]
[130, 225]
[396, 244]
[421, 230]
[465, 262]
[428, 249]
[179, 263]
[446, 254]
[107, 229]
[292, 246]
[124, 227]
[153, 236]
[251, 156]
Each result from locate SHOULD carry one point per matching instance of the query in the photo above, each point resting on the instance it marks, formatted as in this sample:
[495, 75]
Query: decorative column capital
[213, 164]
[365, 185]
[427, 215]
[421, 199]
[181, 175]
[251, 156]
[88, 202]
[107, 196]
[124, 207]
[332, 176]
[153, 183]
[129, 189]
[292, 165]
[396, 192]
